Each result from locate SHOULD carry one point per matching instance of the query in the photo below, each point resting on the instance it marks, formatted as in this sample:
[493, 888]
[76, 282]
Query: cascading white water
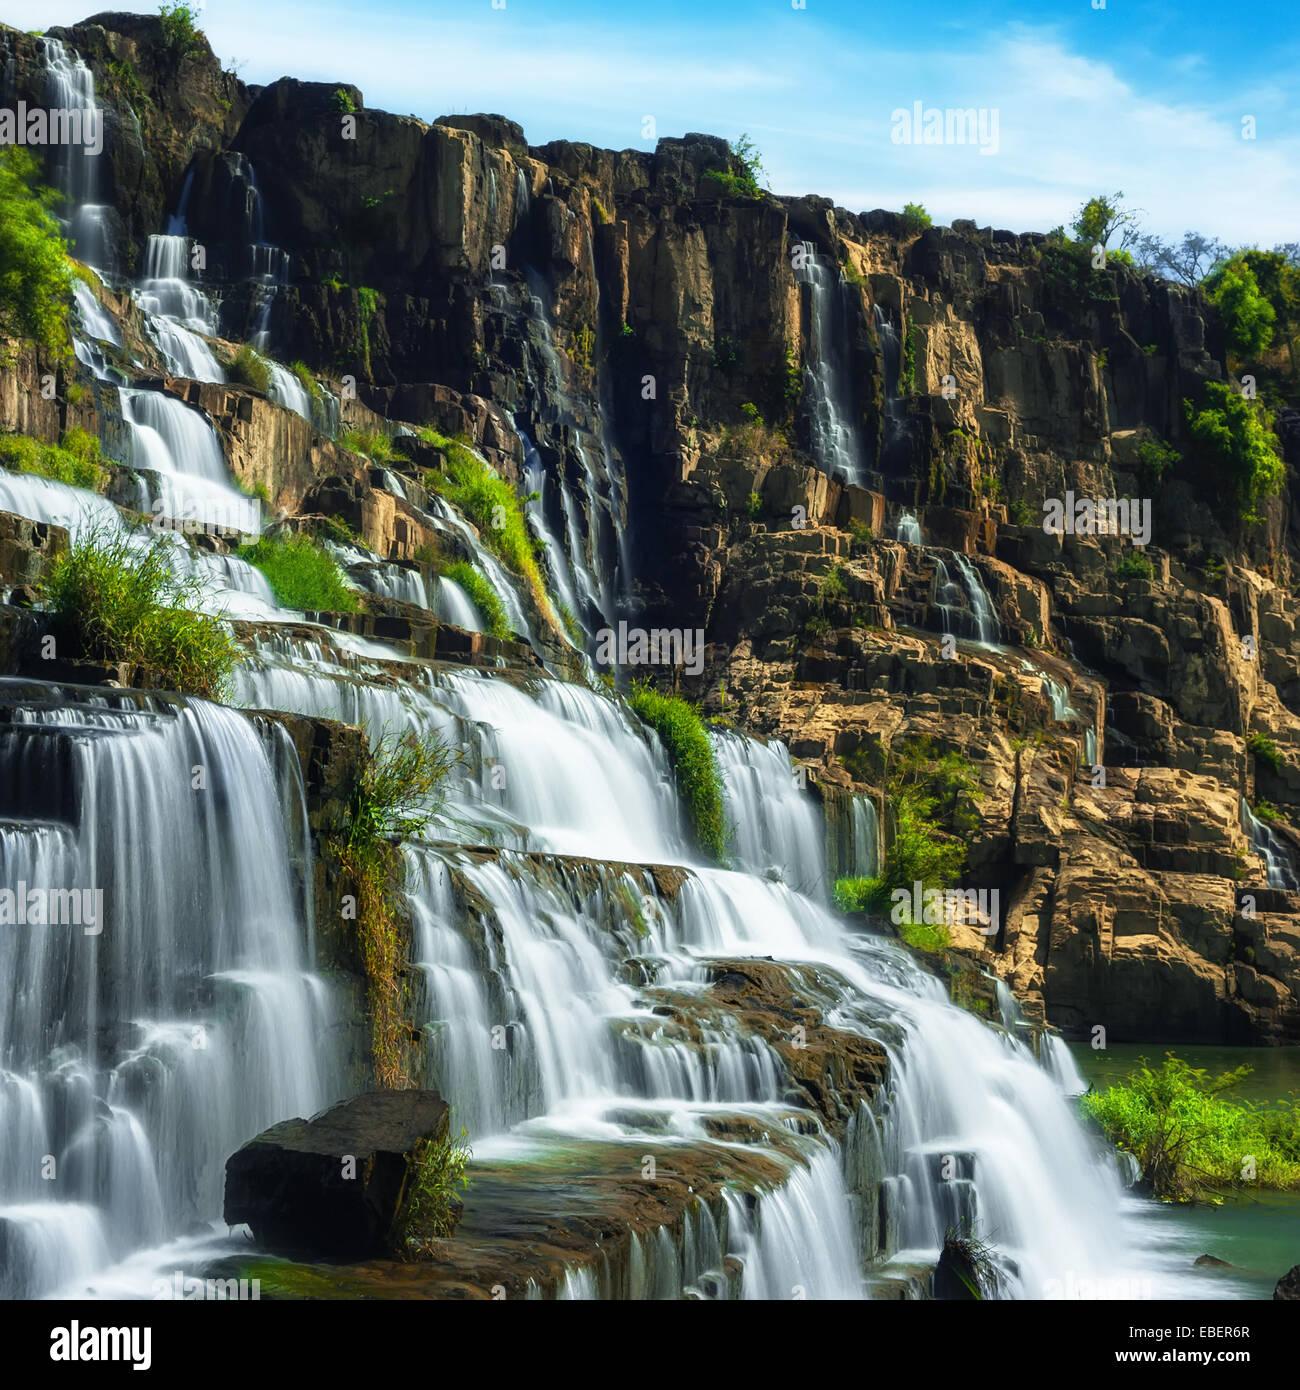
[289, 391]
[453, 605]
[74, 169]
[140, 1052]
[178, 312]
[988, 630]
[866, 838]
[827, 384]
[908, 529]
[1279, 867]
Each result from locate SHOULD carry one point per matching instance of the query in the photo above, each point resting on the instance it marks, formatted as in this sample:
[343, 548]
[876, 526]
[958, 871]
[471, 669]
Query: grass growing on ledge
[115, 601]
[477, 490]
[302, 574]
[75, 461]
[396, 792]
[684, 737]
[437, 1174]
[1193, 1144]
[481, 594]
[246, 368]
[372, 444]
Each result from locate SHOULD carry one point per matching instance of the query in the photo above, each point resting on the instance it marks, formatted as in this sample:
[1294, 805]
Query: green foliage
[1277, 275]
[1191, 1142]
[306, 376]
[373, 444]
[302, 574]
[726, 353]
[435, 1178]
[343, 102]
[682, 732]
[1268, 813]
[1155, 459]
[118, 601]
[1248, 316]
[751, 412]
[35, 280]
[1233, 441]
[862, 533]
[1264, 750]
[741, 178]
[1134, 565]
[127, 81]
[1102, 217]
[1068, 274]
[915, 219]
[831, 585]
[75, 461]
[482, 595]
[907, 373]
[754, 505]
[246, 368]
[1022, 513]
[399, 789]
[472, 485]
[180, 30]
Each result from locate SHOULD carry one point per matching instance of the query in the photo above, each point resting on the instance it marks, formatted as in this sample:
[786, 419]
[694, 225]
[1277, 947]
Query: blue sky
[1147, 96]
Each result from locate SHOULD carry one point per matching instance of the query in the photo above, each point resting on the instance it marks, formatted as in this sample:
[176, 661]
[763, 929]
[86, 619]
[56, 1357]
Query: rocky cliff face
[664, 349]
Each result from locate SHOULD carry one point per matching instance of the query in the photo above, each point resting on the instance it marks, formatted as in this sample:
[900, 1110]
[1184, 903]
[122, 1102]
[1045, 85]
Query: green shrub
[741, 178]
[116, 601]
[436, 1175]
[75, 461]
[1247, 315]
[1191, 1142]
[1264, 750]
[479, 492]
[306, 376]
[686, 742]
[373, 444]
[302, 574]
[180, 30]
[246, 368]
[482, 595]
[1155, 458]
[343, 102]
[754, 505]
[831, 585]
[1021, 513]
[1233, 442]
[35, 278]
[915, 219]
[1134, 565]
[1266, 812]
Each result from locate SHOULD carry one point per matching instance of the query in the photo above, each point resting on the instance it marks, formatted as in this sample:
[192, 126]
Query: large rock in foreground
[1288, 1286]
[335, 1185]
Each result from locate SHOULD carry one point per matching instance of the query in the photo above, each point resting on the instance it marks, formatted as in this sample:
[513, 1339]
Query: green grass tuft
[246, 368]
[302, 574]
[75, 461]
[682, 731]
[481, 594]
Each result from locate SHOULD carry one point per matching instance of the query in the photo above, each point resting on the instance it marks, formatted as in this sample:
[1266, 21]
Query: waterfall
[177, 311]
[288, 391]
[73, 170]
[179, 448]
[892, 356]
[908, 529]
[452, 605]
[141, 1052]
[866, 838]
[1278, 863]
[966, 607]
[556, 560]
[827, 381]
[1061, 1066]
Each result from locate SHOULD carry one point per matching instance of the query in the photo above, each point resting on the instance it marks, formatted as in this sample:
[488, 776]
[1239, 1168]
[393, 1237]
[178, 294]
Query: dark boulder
[334, 1185]
[1288, 1286]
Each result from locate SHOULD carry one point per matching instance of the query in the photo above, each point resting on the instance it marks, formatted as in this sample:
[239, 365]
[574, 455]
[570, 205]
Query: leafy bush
[482, 595]
[75, 461]
[1022, 513]
[306, 376]
[1134, 565]
[1264, 750]
[1191, 1143]
[1247, 315]
[180, 30]
[116, 600]
[741, 178]
[682, 731]
[35, 280]
[302, 574]
[1155, 458]
[1233, 442]
[343, 102]
[399, 789]
[915, 219]
[246, 368]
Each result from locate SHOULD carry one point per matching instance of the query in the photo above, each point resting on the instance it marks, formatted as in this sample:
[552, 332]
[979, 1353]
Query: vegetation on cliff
[437, 1175]
[1234, 445]
[302, 574]
[75, 461]
[394, 795]
[246, 368]
[115, 598]
[35, 276]
[1192, 1143]
[481, 594]
[686, 742]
